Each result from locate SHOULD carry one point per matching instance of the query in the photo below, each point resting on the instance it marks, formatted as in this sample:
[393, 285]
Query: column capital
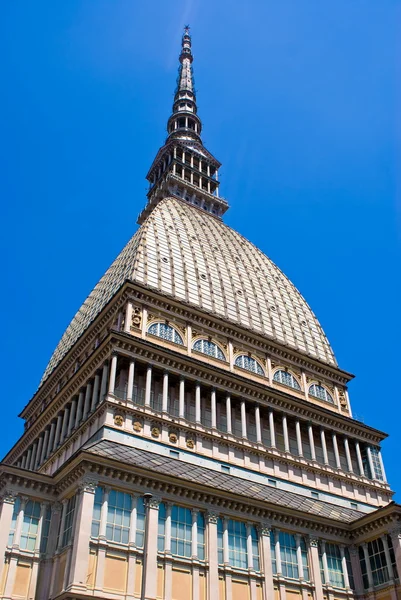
[211, 517]
[88, 484]
[353, 550]
[395, 532]
[57, 507]
[195, 512]
[9, 497]
[154, 502]
[265, 528]
[313, 541]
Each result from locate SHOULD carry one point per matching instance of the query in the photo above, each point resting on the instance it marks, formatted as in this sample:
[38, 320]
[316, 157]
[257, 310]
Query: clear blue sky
[298, 100]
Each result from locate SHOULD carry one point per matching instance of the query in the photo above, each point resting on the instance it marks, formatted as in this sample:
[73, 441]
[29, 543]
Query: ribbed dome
[194, 257]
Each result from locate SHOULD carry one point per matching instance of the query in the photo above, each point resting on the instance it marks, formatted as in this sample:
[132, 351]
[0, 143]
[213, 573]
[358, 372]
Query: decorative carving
[353, 550]
[265, 529]
[173, 437]
[136, 319]
[211, 517]
[154, 502]
[313, 542]
[137, 426]
[395, 532]
[57, 507]
[190, 443]
[118, 420]
[9, 497]
[155, 431]
[88, 484]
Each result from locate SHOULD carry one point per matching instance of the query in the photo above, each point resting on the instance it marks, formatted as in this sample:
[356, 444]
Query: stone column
[150, 550]
[47, 579]
[167, 531]
[226, 556]
[148, 385]
[315, 567]
[33, 456]
[348, 455]
[38, 452]
[285, 432]
[265, 532]
[212, 579]
[7, 509]
[19, 521]
[65, 424]
[197, 403]
[344, 567]
[45, 445]
[336, 452]
[87, 401]
[194, 539]
[165, 393]
[181, 400]
[128, 317]
[324, 447]
[299, 556]
[243, 419]
[356, 570]
[272, 430]
[228, 415]
[359, 459]
[324, 561]
[28, 458]
[132, 545]
[51, 438]
[80, 407]
[311, 441]
[77, 577]
[249, 549]
[113, 372]
[258, 424]
[131, 379]
[299, 437]
[103, 385]
[368, 566]
[58, 431]
[101, 552]
[214, 408]
[95, 393]
[388, 558]
[72, 416]
[395, 535]
[277, 551]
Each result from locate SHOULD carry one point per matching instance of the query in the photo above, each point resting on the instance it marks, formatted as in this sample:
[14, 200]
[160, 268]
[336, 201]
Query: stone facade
[192, 437]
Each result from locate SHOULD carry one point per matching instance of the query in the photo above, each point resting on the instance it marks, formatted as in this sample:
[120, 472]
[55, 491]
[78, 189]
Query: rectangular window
[273, 553]
[349, 569]
[377, 467]
[237, 546]
[97, 509]
[181, 531]
[118, 517]
[378, 562]
[17, 506]
[334, 566]
[30, 526]
[288, 554]
[392, 556]
[362, 562]
[69, 521]
[255, 549]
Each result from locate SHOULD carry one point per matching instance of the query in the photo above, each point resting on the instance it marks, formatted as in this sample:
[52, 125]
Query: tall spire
[184, 122]
[183, 168]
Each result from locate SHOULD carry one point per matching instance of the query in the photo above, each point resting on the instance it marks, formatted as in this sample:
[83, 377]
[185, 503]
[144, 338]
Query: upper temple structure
[192, 436]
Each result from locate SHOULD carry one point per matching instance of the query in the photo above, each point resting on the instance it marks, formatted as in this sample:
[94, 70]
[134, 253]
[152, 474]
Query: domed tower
[192, 435]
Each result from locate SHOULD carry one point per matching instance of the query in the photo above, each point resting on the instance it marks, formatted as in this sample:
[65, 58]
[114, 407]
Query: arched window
[286, 378]
[318, 391]
[209, 348]
[162, 330]
[250, 364]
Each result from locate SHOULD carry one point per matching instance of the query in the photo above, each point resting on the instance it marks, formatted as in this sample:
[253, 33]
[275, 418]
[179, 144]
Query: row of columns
[66, 422]
[243, 415]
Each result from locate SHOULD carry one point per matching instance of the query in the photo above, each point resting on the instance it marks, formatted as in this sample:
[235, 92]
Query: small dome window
[209, 348]
[318, 391]
[286, 378]
[166, 332]
[250, 364]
